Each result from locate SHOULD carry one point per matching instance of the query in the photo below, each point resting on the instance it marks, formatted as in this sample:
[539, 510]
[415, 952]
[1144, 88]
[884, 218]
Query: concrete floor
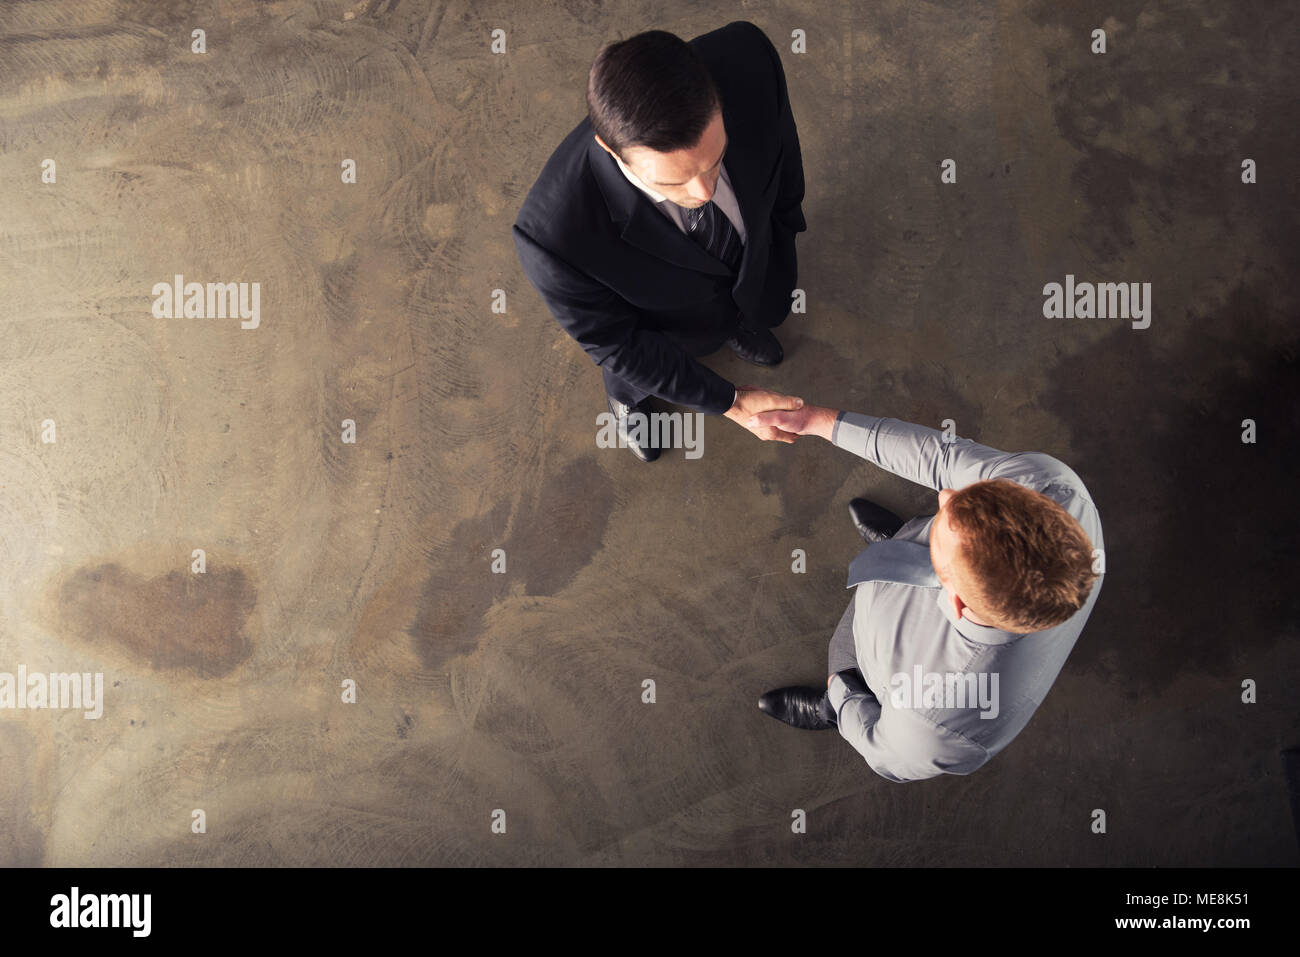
[476, 430]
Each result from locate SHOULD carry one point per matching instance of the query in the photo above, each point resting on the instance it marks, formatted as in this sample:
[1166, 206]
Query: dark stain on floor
[176, 621]
[554, 535]
[1197, 537]
[1219, 107]
[460, 590]
[560, 526]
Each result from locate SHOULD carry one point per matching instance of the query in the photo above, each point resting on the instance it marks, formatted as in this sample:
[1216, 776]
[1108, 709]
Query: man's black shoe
[646, 453]
[758, 346]
[800, 707]
[873, 522]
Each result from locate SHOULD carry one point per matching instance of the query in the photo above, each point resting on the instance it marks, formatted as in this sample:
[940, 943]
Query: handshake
[774, 417]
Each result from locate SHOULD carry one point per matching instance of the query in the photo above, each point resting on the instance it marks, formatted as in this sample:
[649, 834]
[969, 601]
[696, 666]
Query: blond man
[961, 621]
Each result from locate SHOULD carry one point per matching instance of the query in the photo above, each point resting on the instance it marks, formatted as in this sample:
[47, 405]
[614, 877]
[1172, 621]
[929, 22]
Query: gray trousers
[840, 656]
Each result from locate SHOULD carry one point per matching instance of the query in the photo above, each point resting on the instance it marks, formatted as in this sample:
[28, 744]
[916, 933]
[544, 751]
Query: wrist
[836, 692]
[844, 685]
[822, 422]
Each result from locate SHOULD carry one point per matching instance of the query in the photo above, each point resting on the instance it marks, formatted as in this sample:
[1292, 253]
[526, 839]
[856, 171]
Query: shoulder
[750, 79]
[1052, 477]
[559, 203]
[738, 45]
[739, 31]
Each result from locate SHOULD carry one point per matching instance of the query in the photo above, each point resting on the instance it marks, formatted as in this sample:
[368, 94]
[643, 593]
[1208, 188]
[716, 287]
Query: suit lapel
[747, 198]
[748, 194]
[752, 185]
[643, 225]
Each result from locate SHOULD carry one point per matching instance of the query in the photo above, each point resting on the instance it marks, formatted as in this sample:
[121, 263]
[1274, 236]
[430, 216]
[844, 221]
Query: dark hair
[1030, 556]
[650, 90]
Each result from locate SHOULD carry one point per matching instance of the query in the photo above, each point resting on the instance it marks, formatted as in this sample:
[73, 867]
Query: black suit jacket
[640, 296]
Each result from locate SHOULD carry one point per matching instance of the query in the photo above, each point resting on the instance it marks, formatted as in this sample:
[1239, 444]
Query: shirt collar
[968, 629]
[656, 196]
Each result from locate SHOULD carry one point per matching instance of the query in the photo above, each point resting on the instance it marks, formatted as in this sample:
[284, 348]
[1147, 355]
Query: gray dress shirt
[942, 694]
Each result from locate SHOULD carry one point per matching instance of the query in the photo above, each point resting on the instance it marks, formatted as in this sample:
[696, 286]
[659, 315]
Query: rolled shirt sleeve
[899, 745]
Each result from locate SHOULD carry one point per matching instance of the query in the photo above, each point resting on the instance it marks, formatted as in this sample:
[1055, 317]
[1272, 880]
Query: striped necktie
[710, 227]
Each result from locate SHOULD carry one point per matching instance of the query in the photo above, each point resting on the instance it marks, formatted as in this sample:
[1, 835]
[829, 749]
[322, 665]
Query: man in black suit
[664, 225]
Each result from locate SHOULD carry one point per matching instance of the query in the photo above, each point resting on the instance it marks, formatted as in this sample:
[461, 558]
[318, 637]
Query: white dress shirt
[724, 197]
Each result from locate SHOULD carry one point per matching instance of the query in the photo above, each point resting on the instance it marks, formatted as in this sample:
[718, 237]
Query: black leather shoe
[646, 453]
[800, 707]
[758, 346]
[873, 522]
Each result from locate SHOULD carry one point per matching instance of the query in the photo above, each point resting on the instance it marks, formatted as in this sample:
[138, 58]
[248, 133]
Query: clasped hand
[752, 402]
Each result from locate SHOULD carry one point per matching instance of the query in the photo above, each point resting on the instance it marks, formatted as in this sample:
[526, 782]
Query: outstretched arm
[922, 455]
[607, 328]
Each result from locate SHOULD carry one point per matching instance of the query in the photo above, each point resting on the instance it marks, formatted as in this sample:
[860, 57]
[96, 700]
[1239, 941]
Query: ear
[602, 144]
[957, 604]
